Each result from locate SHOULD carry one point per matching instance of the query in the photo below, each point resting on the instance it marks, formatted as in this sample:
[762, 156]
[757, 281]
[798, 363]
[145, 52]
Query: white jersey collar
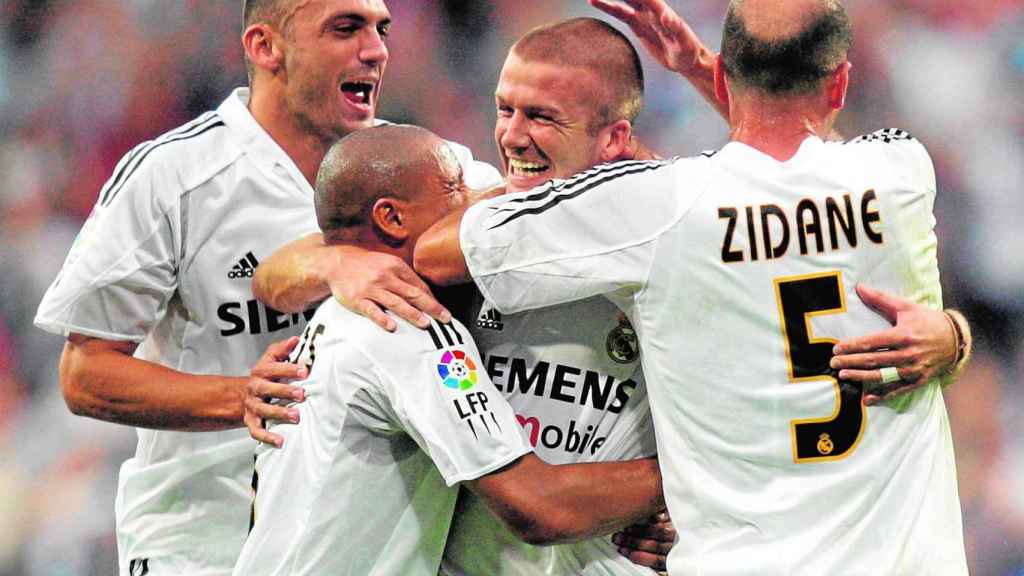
[255, 140]
[808, 146]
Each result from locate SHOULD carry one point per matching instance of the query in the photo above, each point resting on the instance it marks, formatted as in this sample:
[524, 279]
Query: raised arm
[545, 504]
[670, 41]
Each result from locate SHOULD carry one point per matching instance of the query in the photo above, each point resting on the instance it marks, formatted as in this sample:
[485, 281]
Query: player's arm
[922, 344]
[306, 271]
[670, 41]
[438, 254]
[545, 504]
[100, 379]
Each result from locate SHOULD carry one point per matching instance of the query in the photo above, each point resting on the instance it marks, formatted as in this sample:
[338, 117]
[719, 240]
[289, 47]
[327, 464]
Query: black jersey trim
[143, 152]
[556, 185]
[887, 135]
[571, 192]
[131, 156]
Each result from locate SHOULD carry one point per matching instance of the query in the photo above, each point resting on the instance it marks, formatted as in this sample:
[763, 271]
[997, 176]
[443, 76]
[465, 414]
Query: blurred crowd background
[82, 81]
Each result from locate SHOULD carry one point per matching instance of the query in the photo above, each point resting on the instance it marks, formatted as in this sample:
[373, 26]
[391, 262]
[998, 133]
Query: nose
[516, 131]
[373, 52]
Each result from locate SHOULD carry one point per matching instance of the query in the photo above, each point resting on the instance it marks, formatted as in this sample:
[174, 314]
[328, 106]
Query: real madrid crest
[622, 343]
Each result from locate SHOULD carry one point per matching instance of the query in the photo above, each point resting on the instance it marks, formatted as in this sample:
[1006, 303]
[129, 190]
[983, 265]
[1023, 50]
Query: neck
[775, 127]
[306, 149]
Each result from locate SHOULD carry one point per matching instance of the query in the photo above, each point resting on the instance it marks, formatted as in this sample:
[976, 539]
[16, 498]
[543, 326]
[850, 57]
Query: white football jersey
[365, 482]
[739, 274]
[166, 260]
[572, 374]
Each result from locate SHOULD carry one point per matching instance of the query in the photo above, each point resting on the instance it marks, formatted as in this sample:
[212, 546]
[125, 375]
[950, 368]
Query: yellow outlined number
[800, 298]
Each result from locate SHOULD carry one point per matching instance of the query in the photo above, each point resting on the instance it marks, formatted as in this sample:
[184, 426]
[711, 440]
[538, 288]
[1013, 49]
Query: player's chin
[521, 183]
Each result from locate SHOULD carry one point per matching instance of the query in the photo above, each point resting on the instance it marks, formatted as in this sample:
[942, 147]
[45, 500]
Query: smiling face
[543, 129]
[334, 59]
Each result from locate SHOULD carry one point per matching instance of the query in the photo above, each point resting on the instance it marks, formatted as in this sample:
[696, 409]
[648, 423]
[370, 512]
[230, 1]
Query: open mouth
[357, 92]
[517, 167]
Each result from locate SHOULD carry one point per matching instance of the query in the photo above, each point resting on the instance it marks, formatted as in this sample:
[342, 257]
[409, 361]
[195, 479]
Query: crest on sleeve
[457, 370]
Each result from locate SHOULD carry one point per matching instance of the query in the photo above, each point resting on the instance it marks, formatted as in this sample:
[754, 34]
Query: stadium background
[82, 81]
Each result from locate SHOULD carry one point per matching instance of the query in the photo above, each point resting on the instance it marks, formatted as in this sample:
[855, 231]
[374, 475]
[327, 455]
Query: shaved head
[783, 47]
[393, 161]
[269, 11]
[595, 46]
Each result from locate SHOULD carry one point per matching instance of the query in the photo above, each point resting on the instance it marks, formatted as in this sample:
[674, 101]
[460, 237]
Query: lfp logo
[457, 370]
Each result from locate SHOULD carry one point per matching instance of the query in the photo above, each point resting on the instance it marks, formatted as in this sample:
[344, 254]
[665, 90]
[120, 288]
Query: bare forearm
[547, 504]
[599, 498]
[294, 276]
[438, 256]
[115, 387]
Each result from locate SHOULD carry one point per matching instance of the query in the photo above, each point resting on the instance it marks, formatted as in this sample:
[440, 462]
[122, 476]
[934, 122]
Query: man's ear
[389, 217]
[721, 82]
[615, 141]
[838, 84]
[262, 47]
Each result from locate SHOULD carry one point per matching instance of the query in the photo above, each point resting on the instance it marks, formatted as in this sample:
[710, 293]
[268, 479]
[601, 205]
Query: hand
[663, 33]
[268, 381]
[366, 282]
[647, 543]
[921, 344]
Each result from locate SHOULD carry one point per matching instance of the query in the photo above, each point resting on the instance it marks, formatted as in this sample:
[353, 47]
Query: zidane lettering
[810, 222]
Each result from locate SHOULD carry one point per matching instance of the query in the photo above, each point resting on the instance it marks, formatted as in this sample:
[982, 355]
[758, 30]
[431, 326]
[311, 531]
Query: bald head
[596, 47]
[784, 47]
[401, 162]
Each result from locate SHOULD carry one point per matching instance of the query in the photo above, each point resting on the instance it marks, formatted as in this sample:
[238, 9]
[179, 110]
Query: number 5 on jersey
[800, 298]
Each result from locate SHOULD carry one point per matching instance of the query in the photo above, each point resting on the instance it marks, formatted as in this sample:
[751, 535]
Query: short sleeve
[478, 175]
[443, 398]
[592, 234]
[122, 269]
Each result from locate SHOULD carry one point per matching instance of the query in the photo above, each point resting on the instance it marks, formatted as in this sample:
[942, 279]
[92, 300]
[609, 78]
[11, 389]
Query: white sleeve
[442, 397]
[478, 175]
[122, 269]
[592, 234]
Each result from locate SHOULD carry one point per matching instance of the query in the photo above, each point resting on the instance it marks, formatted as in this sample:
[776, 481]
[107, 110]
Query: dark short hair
[789, 65]
[596, 46]
[259, 10]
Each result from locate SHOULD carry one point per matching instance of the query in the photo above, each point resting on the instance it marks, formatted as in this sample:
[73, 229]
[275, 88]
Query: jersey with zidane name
[365, 482]
[739, 271]
[166, 260]
[572, 374]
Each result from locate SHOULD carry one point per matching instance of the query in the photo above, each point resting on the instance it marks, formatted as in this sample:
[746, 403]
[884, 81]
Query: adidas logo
[245, 268]
[490, 319]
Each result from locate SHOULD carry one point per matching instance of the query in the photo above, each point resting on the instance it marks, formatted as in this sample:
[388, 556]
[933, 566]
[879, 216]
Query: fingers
[869, 360]
[416, 292]
[279, 351]
[891, 338]
[658, 532]
[641, 558]
[886, 392]
[261, 434]
[885, 304]
[279, 371]
[373, 312]
[614, 9]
